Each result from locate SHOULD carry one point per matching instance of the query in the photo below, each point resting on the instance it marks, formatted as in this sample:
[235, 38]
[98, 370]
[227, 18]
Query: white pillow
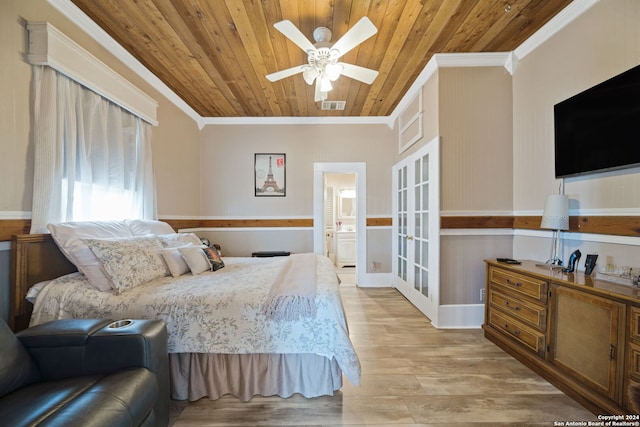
[195, 258]
[68, 236]
[179, 239]
[34, 290]
[93, 269]
[144, 227]
[176, 263]
[129, 262]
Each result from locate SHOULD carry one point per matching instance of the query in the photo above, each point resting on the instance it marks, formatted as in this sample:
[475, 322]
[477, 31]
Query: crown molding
[471, 59]
[507, 59]
[314, 120]
[555, 24]
[444, 60]
[93, 30]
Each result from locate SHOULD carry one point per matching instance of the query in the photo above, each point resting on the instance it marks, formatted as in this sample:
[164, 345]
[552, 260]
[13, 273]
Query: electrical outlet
[482, 295]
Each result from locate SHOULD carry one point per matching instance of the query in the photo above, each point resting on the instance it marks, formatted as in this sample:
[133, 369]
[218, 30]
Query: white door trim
[360, 169]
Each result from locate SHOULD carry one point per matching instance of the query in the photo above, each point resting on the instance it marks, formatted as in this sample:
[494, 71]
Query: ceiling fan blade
[365, 75]
[278, 75]
[363, 29]
[292, 32]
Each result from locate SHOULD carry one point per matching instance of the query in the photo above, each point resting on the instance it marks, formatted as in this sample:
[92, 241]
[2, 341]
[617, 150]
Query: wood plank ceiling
[215, 54]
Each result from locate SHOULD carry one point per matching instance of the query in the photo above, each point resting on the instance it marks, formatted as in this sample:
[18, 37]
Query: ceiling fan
[323, 65]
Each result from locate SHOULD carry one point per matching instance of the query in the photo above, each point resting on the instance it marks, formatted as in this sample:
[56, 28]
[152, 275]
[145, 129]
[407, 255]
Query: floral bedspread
[215, 312]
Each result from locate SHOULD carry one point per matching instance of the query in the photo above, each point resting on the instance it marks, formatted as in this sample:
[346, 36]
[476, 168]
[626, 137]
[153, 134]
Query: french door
[416, 228]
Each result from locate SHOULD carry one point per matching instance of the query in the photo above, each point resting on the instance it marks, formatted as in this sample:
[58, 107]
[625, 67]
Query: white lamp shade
[333, 71]
[325, 84]
[309, 75]
[556, 212]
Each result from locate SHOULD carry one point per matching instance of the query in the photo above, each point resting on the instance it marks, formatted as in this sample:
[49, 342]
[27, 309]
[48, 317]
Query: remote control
[508, 261]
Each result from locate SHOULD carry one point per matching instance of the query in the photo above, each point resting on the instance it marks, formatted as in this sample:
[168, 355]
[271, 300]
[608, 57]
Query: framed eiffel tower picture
[270, 174]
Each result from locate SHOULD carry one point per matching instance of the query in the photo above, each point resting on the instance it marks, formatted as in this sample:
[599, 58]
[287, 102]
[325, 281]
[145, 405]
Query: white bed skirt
[197, 375]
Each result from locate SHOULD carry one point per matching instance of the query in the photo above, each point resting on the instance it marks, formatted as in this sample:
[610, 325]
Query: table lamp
[555, 217]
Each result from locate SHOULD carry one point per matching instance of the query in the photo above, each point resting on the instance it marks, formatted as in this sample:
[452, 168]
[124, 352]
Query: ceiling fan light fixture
[309, 75]
[333, 71]
[325, 84]
[322, 34]
[322, 57]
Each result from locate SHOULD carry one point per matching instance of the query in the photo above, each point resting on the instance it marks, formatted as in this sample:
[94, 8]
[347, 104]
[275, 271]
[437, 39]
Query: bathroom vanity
[345, 248]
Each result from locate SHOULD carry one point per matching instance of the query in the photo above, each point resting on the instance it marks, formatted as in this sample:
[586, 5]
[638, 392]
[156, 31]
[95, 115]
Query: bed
[222, 339]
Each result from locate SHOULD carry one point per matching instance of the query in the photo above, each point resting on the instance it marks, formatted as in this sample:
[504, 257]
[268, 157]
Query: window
[92, 158]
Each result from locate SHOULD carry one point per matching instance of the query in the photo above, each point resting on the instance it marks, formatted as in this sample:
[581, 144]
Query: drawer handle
[515, 332]
[517, 284]
[612, 352]
[515, 307]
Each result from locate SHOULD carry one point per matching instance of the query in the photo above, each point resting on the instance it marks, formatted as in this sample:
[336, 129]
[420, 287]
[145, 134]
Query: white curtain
[92, 158]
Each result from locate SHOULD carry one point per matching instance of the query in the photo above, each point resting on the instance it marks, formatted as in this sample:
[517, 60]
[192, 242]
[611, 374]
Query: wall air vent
[333, 105]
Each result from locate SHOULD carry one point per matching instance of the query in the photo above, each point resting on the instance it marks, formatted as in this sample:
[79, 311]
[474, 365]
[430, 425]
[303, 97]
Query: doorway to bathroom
[340, 204]
[340, 217]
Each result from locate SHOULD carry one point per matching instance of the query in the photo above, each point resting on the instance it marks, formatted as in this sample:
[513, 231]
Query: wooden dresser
[579, 333]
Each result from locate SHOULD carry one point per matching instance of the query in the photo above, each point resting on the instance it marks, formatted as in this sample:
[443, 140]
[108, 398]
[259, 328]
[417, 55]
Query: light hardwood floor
[412, 375]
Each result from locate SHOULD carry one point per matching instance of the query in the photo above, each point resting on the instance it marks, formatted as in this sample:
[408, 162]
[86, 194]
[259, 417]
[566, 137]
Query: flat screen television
[599, 129]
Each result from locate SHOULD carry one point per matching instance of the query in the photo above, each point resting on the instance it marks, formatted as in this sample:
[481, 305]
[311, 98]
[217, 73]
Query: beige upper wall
[176, 149]
[470, 109]
[475, 125]
[175, 139]
[15, 77]
[227, 155]
[599, 44]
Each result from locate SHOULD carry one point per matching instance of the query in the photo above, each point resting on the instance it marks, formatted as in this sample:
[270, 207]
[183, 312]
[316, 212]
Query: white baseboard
[376, 280]
[460, 316]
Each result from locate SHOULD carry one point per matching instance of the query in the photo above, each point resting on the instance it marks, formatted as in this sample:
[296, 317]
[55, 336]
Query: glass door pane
[421, 233]
[402, 195]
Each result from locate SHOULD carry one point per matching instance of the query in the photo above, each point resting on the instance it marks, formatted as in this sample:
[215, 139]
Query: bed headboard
[34, 258]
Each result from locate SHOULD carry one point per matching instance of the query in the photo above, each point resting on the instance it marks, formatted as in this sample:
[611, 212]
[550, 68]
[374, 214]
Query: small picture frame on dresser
[590, 264]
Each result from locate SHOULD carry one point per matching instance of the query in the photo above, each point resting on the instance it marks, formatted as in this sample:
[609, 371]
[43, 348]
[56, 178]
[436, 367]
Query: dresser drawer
[630, 399]
[521, 284]
[634, 321]
[528, 312]
[634, 360]
[533, 340]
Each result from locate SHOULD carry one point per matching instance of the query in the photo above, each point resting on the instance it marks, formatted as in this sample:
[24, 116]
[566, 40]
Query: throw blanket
[293, 292]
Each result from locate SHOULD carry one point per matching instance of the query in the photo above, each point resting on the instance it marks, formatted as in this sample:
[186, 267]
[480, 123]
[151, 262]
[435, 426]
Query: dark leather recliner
[85, 372]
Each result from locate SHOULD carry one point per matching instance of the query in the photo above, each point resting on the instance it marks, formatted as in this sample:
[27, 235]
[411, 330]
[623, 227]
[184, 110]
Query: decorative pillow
[129, 262]
[176, 263]
[175, 240]
[195, 258]
[144, 227]
[68, 236]
[93, 269]
[214, 258]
